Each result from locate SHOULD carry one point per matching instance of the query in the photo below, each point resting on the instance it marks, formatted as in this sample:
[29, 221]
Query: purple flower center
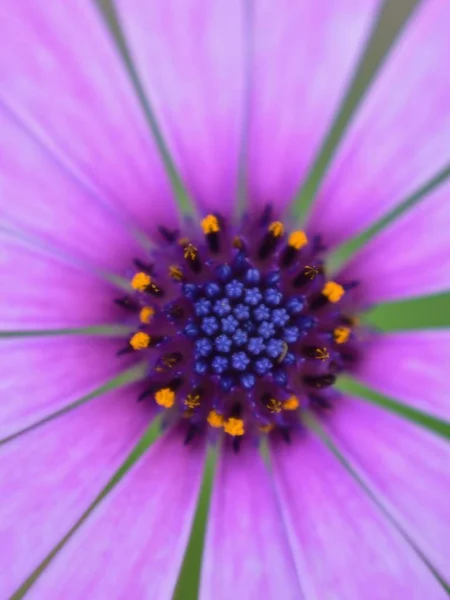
[241, 326]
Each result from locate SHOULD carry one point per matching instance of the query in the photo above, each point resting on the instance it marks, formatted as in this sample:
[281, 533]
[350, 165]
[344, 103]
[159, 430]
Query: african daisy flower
[157, 282]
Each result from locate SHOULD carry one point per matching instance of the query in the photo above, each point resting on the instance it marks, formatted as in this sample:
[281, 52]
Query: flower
[228, 324]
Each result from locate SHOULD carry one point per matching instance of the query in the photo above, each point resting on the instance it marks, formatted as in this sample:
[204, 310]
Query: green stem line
[133, 374]
[145, 441]
[112, 21]
[98, 330]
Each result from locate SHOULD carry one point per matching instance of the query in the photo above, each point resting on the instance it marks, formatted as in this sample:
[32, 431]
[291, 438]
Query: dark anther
[319, 401]
[319, 381]
[192, 257]
[147, 392]
[236, 444]
[266, 216]
[126, 303]
[170, 235]
[308, 274]
[318, 302]
[317, 352]
[268, 245]
[190, 434]
[175, 383]
[174, 311]
[285, 434]
[168, 361]
[154, 290]
[142, 266]
[288, 256]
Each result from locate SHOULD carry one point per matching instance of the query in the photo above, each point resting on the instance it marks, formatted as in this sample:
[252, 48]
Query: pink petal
[305, 54]
[400, 137]
[408, 467]
[133, 543]
[39, 291]
[410, 367]
[50, 475]
[246, 546]
[343, 545]
[190, 56]
[40, 197]
[68, 85]
[41, 376]
[409, 258]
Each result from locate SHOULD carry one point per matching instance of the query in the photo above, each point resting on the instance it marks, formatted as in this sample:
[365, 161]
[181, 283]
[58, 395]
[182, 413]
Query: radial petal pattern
[139, 531]
[400, 136]
[304, 56]
[343, 545]
[43, 376]
[409, 258]
[246, 547]
[408, 467]
[41, 198]
[40, 291]
[67, 84]
[191, 59]
[411, 367]
[50, 475]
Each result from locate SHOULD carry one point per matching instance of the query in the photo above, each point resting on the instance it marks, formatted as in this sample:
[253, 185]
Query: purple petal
[43, 199]
[304, 56]
[39, 291]
[41, 376]
[68, 85]
[139, 531]
[50, 475]
[343, 545]
[246, 546]
[399, 138]
[190, 56]
[409, 258]
[410, 367]
[409, 468]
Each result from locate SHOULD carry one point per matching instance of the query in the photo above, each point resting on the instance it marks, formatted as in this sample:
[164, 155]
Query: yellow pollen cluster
[266, 428]
[176, 273]
[322, 354]
[297, 239]
[333, 291]
[274, 406]
[190, 252]
[237, 242]
[146, 314]
[165, 397]
[276, 228]
[214, 419]
[341, 334]
[291, 403]
[192, 400]
[140, 340]
[234, 427]
[210, 224]
[141, 281]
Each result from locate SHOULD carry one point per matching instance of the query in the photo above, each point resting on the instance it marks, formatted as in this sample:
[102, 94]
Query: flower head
[159, 280]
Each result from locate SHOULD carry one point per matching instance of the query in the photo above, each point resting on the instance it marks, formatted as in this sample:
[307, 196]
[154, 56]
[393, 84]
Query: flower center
[240, 325]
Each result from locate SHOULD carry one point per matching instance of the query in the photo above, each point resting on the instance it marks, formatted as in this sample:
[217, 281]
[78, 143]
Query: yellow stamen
[266, 428]
[210, 224]
[234, 427]
[214, 419]
[141, 281]
[274, 406]
[291, 403]
[176, 273]
[140, 340]
[341, 334]
[190, 252]
[192, 400]
[237, 242]
[311, 272]
[283, 352]
[297, 239]
[165, 397]
[321, 354]
[276, 228]
[333, 291]
[146, 314]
